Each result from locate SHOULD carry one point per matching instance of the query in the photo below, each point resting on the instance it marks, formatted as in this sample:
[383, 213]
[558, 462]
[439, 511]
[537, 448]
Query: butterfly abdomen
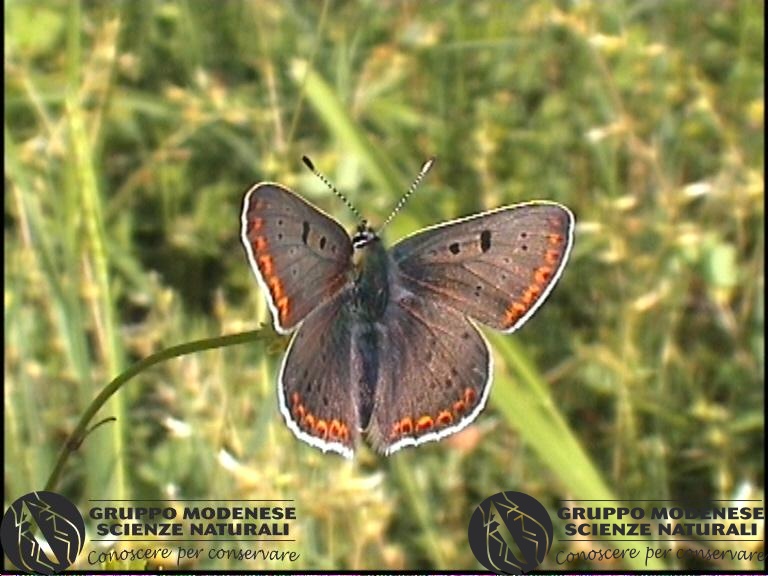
[365, 339]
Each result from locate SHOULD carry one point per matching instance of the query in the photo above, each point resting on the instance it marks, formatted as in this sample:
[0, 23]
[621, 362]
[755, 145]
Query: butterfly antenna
[332, 188]
[426, 167]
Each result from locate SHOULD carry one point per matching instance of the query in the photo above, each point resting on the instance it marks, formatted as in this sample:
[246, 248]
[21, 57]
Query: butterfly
[385, 343]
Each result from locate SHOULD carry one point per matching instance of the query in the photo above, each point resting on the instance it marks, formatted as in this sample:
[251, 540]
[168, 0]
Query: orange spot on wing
[552, 257]
[444, 418]
[555, 239]
[275, 287]
[283, 307]
[256, 224]
[459, 406]
[514, 312]
[406, 426]
[321, 428]
[259, 243]
[265, 265]
[333, 429]
[297, 408]
[470, 396]
[309, 421]
[530, 295]
[542, 274]
[424, 423]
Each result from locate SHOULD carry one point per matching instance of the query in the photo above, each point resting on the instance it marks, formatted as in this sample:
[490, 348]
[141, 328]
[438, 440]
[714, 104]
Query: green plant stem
[81, 430]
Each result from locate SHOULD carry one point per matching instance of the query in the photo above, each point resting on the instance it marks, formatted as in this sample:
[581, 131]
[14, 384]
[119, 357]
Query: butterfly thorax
[371, 268]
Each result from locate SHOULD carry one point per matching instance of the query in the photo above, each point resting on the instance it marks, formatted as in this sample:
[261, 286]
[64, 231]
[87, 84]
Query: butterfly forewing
[300, 256]
[434, 373]
[497, 267]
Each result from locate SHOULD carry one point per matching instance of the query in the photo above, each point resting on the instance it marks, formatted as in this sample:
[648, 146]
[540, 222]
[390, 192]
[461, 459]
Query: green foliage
[133, 129]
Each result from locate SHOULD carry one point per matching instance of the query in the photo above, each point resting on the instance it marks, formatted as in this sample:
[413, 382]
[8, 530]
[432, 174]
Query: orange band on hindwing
[417, 426]
[332, 429]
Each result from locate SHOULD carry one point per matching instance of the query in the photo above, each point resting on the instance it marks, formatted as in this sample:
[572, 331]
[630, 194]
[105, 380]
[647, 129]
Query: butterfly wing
[497, 267]
[426, 391]
[316, 392]
[300, 256]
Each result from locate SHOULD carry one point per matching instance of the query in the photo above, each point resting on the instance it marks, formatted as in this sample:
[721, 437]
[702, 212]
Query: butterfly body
[385, 344]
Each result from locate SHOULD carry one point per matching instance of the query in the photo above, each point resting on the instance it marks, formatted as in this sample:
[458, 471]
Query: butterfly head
[364, 235]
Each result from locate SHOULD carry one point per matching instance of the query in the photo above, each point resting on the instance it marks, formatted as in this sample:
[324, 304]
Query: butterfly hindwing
[434, 371]
[300, 256]
[496, 267]
[316, 394]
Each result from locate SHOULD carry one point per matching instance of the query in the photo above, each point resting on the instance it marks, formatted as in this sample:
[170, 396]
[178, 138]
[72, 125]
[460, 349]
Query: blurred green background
[132, 130]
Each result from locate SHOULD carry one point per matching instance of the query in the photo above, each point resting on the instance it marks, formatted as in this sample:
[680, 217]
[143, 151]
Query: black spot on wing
[485, 240]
